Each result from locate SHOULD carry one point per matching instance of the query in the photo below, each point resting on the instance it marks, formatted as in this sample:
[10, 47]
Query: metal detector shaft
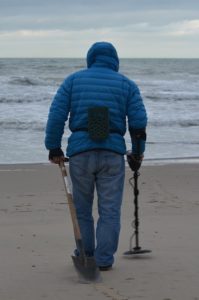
[136, 193]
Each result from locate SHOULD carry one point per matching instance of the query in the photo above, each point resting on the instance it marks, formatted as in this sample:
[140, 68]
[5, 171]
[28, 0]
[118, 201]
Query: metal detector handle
[138, 147]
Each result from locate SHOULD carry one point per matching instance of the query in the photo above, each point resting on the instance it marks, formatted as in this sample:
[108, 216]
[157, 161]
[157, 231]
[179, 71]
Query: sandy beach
[36, 237]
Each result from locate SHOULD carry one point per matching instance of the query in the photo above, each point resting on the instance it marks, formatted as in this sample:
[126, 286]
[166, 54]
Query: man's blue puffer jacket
[98, 85]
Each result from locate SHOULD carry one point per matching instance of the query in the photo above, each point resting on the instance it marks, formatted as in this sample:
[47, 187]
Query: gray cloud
[11, 7]
[78, 21]
[82, 14]
[128, 23]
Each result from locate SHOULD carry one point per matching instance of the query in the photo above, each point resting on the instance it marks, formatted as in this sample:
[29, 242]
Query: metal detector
[135, 224]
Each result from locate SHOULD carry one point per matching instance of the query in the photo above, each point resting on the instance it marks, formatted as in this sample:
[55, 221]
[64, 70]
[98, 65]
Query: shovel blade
[86, 268]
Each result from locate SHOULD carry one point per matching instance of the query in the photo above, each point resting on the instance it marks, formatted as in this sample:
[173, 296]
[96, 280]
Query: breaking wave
[25, 81]
[11, 100]
[181, 123]
[22, 125]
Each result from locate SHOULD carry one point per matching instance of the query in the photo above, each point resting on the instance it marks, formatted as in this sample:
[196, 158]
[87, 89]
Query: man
[97, 101]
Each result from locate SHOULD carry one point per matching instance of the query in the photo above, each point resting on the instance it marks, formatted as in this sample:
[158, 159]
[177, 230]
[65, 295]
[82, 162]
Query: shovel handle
[72, 209]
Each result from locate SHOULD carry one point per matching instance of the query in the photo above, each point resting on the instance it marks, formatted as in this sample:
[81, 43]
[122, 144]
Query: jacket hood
[103, 54]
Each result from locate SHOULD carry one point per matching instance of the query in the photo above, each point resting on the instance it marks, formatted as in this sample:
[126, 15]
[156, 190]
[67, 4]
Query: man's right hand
[56, 156]
[134, 161]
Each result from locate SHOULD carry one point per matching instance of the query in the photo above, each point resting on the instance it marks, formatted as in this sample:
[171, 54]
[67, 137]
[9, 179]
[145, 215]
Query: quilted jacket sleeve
[58, 115]
[137, 117]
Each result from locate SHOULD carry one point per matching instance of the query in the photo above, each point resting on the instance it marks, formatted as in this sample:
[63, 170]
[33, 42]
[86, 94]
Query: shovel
[85, 266]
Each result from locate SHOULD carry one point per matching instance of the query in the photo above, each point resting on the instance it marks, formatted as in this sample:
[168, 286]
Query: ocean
[170, 89]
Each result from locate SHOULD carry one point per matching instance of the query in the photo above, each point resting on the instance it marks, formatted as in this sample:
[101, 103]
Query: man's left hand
[134, 161]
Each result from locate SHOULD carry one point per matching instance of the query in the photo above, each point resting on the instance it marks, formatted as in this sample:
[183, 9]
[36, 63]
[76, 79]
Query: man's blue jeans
[104, 170]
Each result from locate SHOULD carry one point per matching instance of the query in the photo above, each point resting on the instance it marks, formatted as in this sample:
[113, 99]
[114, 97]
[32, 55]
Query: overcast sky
[67, 28]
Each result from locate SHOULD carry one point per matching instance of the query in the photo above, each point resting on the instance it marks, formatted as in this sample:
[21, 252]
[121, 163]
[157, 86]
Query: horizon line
[63, 57]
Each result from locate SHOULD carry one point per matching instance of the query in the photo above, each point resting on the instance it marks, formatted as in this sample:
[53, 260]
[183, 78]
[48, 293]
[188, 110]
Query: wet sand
[36, 237]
